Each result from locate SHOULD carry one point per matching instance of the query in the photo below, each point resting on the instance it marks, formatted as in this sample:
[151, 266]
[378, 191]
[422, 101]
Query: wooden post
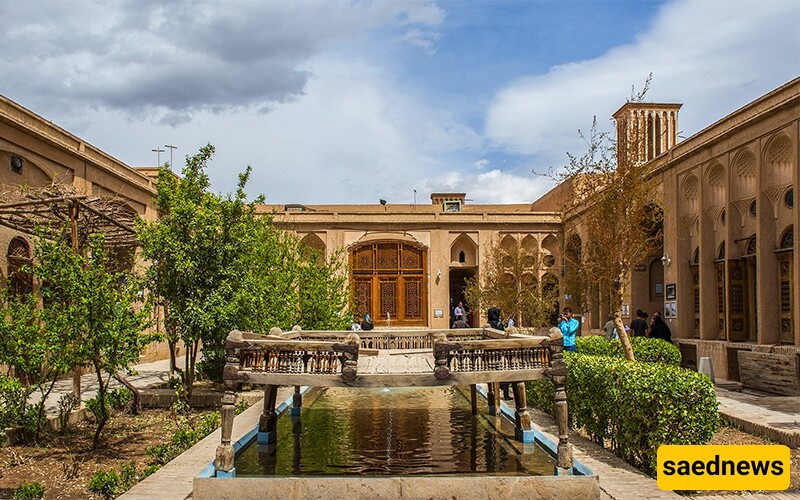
[297, 401]
[521, 415]
[223, 463]
[350, 368]
[73, 226]
[558, 374]
[440, 354]
[473, 395]
[492, 398]
[268, 422]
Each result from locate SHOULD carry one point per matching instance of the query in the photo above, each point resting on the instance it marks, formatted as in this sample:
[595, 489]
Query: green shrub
[105, 483]
[93, 405]
[161, 454]
[127, 476]
[634, 407]
[29, 491]
[209, 424]
[120, 398]
[67, 403]
[149, 470]
[241, 406]
[644, 349]
[13, 399]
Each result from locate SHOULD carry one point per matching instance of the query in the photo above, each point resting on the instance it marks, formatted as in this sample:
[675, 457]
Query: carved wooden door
[390, 278]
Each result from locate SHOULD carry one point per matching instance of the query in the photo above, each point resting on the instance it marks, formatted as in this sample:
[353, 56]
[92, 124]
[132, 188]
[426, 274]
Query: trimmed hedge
[644, 349]
[632, 408]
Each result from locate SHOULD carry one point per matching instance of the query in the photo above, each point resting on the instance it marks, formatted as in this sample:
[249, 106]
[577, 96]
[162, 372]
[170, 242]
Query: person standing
[639, 325]
[569, 329]
[660, 329]
[459, 311]
[611, 328]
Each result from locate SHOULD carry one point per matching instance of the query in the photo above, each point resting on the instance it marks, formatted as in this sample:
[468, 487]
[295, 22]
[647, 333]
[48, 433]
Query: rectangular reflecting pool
[392, 432]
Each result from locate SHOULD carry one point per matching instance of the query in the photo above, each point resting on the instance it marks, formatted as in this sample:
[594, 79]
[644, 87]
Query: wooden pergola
[49, 211]
[52, 211]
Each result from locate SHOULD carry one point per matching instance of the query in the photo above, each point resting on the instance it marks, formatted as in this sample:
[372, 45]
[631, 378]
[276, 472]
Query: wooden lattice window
[413, 298]
[388, 297]
[788, 239]
[721, 300]
[20, 279]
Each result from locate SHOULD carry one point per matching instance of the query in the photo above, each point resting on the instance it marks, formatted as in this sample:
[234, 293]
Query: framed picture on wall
[673, 309]
[626, 310]
[670, 291]
[667, 310]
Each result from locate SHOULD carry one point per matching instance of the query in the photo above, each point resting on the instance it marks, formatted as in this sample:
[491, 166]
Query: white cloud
[712, 56]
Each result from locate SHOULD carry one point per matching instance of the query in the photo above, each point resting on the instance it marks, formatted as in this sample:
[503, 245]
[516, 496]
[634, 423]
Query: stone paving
[776, 417]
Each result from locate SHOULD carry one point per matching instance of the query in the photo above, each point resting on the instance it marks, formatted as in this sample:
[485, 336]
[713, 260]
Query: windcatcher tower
[646, 130]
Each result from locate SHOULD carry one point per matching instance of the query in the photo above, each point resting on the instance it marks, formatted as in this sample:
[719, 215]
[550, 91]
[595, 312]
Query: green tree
[195, 250]
[510, 280]
[614, 202]
[216, 265]
[37, 342]
[103, 311]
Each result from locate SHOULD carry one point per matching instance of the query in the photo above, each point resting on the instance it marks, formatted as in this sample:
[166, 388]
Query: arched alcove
[20, 279]
[464, 251]
[313, 243]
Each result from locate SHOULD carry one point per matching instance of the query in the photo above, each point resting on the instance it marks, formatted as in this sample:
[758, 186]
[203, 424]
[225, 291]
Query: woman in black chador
[660, 329]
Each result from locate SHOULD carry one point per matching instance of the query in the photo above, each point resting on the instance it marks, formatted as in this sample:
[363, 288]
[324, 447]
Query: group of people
[365, 325]
[657, 328]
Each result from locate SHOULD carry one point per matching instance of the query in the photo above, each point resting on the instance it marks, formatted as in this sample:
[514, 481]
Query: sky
[353, 101]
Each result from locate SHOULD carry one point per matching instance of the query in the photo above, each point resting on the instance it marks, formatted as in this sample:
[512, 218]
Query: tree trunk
[137, 396]
[101, 393]
[621, 333]
[172, 359]
[40, 410]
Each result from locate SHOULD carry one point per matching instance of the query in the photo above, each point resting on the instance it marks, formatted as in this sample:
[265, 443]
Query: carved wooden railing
[468, 357]
[274, 354]
[511, 354]
[400, 340]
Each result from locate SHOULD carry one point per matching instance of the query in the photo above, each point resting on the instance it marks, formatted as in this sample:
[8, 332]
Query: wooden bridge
[391, 358]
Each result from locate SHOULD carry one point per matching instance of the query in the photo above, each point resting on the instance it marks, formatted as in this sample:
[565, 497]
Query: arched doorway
[389, 281]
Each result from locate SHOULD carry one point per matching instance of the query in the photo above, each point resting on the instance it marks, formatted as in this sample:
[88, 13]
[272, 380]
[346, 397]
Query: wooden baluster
[558, 374]
[223, 461]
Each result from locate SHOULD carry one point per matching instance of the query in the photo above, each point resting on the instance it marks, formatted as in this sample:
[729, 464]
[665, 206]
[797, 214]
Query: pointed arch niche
[312, 242]
[463, 267]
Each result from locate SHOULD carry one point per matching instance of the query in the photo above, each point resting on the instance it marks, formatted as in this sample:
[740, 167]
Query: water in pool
[390, 432]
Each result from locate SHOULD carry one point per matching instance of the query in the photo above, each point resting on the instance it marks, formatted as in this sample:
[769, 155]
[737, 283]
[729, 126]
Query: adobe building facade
[36, 153]
[409, 263]
[725, 277]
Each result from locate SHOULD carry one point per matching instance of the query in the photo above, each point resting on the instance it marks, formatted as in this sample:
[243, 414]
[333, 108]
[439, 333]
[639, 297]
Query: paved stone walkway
[776, 417]
[147, 374]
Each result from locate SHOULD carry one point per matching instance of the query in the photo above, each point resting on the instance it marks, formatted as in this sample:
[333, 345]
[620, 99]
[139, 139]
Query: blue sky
[347, 102]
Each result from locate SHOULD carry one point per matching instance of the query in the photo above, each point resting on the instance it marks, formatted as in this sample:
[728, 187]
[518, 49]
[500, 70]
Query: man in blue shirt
[569, 329]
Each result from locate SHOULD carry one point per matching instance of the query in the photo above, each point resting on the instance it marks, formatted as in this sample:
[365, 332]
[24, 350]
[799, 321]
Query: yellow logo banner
[723, 467]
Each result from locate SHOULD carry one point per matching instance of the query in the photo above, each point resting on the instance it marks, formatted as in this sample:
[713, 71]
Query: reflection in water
[374, 431]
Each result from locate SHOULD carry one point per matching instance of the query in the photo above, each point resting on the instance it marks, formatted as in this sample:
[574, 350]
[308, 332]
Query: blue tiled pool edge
[505, 410]
[242, 442]
[539, 438]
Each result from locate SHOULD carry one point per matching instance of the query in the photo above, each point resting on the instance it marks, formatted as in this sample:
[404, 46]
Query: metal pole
[171, 149]
[158, 152]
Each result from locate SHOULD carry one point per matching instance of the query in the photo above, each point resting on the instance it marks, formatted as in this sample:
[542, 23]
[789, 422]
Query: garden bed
[66, 463]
